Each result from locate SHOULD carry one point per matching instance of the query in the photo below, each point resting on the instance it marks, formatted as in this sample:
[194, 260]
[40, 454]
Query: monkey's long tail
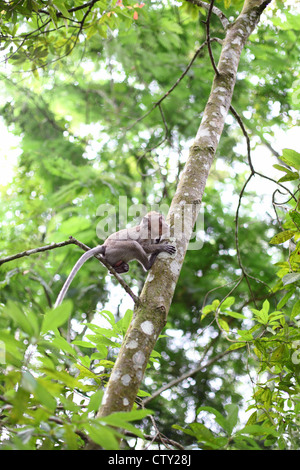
[89, 254]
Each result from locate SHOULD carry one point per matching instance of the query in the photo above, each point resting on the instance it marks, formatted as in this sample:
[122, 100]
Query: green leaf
[282, 237]
[142, 393]
[124, 323]
[252, 419]
[109, 316]
[223, 324]
[296, 309]
[95, 401]
[133, 415]
[103, 436]
[102, 352]
[235, 315]
[220, 419]
[85, 372]
[266, 307]
[245, 335]
[232, 417]
[207, 309]
[236, 346]
[60, 343]
[290, 278]
[13, 348]
[202, 433]
[281, 168]
[19, 318]
[70, 437]
[261, 315]
[52, 13]
[290, 176]
[115, 421]
[61, 7]
[257, 430]
[63, 377]
[74, 225]
[278, 353]
[121, 420]
[54, 318]
[285, 298]
[227, 303]
[107, 364]
[84, 344]
[295, 255]
[291, 157]
[31, 385]
[295, 216]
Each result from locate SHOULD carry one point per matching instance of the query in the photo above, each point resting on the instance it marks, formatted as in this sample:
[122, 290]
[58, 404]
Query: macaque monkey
[138, 243]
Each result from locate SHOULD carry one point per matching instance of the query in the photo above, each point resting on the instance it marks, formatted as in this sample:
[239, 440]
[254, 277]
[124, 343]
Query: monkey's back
[124, 235]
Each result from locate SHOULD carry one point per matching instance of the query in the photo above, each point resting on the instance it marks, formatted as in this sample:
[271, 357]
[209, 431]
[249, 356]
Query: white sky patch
[9, 153]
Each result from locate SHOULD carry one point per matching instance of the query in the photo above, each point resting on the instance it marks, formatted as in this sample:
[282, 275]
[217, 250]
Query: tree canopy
[104, 99]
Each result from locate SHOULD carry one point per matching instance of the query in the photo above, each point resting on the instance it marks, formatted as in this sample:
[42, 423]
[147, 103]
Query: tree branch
[207, 23]
[83, 247]
[186, 375]
[35, 250]
[110, 269]
[216, 11]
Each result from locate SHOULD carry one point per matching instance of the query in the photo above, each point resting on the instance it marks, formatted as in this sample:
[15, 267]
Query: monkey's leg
[121, 267]
[153, 258]
[119, 253]
[160, 248]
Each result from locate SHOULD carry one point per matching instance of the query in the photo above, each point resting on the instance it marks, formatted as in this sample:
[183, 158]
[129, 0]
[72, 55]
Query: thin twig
[279, 184]
[216, 11]
[253, 173]
[184, 376]
[156, 438]
[246, 135]
[237, 238]
[207, 23]
[216, 288]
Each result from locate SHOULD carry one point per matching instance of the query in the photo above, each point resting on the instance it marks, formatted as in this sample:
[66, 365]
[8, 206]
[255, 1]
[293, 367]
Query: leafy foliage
[37, 33]
[274, 340]
[51, 390]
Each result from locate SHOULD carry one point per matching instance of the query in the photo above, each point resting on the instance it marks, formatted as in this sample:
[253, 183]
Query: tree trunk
[151, 314]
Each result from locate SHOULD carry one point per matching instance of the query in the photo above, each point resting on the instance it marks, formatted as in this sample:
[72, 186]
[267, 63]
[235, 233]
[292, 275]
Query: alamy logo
[115, 218]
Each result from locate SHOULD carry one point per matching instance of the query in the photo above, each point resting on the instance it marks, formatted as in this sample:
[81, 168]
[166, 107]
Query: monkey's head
[154, 225]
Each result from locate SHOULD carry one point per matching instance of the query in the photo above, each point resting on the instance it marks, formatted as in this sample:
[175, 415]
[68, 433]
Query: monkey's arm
[89, 254]
[154, 249]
